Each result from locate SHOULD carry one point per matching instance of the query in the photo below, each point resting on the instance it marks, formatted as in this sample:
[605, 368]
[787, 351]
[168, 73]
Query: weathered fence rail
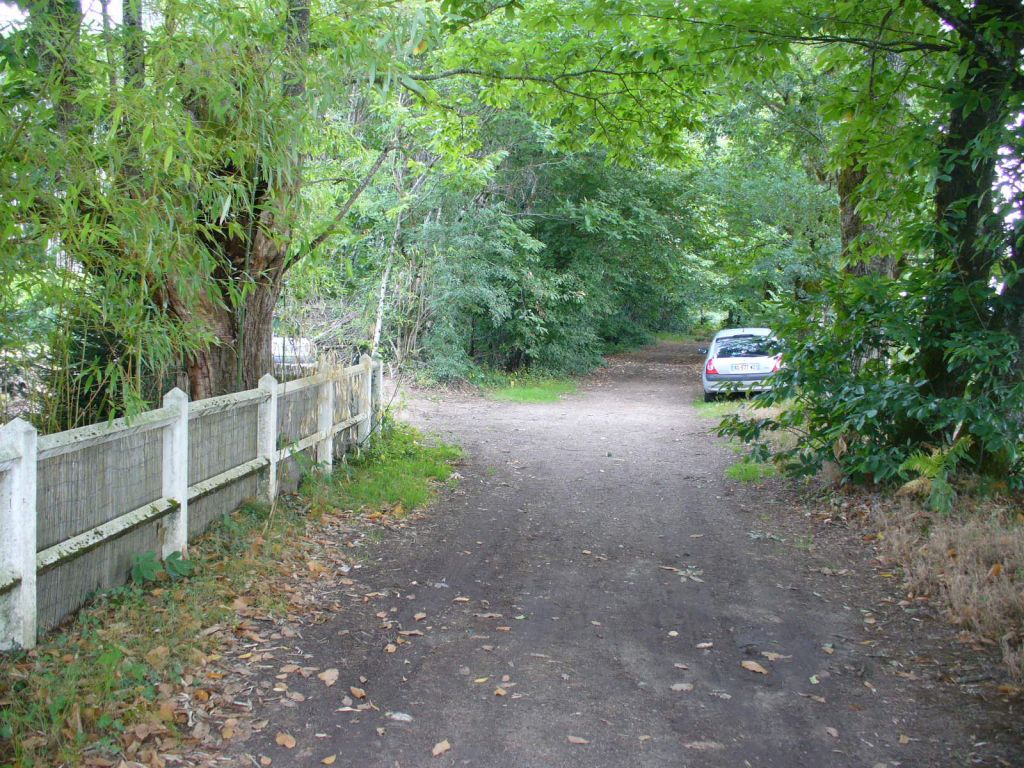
[75, 507]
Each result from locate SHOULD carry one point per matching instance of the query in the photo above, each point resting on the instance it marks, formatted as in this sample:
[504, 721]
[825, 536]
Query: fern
[933, 472]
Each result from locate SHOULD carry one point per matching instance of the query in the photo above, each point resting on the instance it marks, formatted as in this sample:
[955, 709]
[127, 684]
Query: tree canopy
[468, 184]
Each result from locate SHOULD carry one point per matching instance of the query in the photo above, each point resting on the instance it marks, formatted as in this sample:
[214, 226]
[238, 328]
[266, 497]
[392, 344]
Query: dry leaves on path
[285, 740]
[329, 676]
[753, 666]
[577, 740]
[440, 748]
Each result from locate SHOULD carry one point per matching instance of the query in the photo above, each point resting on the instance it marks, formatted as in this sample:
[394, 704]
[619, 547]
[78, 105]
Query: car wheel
[710, 397]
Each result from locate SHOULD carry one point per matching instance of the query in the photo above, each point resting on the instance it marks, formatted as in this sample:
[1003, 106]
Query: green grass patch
[120, 663]
[402, 469]
[719, 408]
[533, 390]
[750, 471]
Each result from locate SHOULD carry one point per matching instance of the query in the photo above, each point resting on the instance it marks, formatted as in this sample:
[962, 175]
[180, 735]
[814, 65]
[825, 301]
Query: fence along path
[76, 506]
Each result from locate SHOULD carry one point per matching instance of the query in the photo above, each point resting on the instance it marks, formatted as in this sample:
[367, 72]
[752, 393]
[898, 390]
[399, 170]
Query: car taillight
[778, 363]
[710, 368]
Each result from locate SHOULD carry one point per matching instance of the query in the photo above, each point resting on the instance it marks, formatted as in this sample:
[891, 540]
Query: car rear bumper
[745, 382]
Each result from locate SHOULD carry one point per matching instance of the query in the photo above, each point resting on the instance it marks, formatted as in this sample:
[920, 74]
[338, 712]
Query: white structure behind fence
[77, 506]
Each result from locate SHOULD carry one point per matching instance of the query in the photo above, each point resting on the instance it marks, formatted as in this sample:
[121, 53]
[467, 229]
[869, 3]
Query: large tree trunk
[964, 213]
[243, 352]
[253, 266]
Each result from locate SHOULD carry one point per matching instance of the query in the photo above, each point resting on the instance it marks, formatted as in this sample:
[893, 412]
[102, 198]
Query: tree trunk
[243, 352]
[854, 232]
[964, 212]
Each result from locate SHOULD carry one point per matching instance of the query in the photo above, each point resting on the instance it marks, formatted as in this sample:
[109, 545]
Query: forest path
[581, 523]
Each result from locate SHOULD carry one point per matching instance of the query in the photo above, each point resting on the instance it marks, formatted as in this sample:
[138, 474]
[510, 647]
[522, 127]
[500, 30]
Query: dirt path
[578, 523]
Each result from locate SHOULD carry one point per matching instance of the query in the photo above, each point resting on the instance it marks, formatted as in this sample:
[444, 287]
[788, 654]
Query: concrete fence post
[266, 436]
[365, 401]
[325, 419]
[175, 474]
[17, 535]
[378, 396]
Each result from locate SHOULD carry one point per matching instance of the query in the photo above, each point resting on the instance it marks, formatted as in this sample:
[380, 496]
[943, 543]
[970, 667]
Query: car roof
[727, 332]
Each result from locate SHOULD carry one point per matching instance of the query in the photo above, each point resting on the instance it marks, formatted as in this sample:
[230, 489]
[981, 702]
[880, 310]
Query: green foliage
[552, 182]
[148, 568]
[935, 470]
[857, 393]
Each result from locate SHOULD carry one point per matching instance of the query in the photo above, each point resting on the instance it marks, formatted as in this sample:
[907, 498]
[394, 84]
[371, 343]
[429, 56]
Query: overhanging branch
[343, 211]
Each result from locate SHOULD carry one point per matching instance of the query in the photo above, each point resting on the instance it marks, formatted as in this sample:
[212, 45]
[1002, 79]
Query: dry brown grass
[972, 561]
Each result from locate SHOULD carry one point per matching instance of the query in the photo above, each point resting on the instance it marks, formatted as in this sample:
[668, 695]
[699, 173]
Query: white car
[740, 360]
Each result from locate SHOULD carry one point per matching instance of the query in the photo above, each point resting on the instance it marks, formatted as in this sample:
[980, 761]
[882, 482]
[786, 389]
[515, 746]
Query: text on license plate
[745, 368]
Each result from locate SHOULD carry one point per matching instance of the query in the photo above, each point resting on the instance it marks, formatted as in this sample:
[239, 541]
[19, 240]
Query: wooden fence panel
[89, 500]
[78, 491]
[216, 443]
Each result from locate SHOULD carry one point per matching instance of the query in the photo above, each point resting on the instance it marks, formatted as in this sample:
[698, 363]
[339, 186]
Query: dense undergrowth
[110, 683]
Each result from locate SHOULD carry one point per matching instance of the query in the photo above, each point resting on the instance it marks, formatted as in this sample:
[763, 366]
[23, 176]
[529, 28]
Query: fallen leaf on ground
[440, 748]
[772, 656]
[158, 656]
[705, 646]
[703, 746]
[832, 732]
[819, 699]
[285, 740]
[420, 616]
[359, 693]
[499, 691]
[753, 666]
[577, 740]
[329, 760]
[329, 676]
[682, 687]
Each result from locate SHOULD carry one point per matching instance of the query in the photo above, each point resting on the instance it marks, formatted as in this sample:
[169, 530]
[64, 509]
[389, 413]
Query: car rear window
[746, 346]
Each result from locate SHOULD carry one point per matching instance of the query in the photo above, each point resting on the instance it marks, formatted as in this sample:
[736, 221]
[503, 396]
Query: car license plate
[742, 368]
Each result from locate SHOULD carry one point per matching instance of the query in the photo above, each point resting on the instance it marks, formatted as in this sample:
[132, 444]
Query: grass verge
[532, 390]
[750, 471]
[970, 562]
[719, 408]
[120, 680]
[399, 473]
